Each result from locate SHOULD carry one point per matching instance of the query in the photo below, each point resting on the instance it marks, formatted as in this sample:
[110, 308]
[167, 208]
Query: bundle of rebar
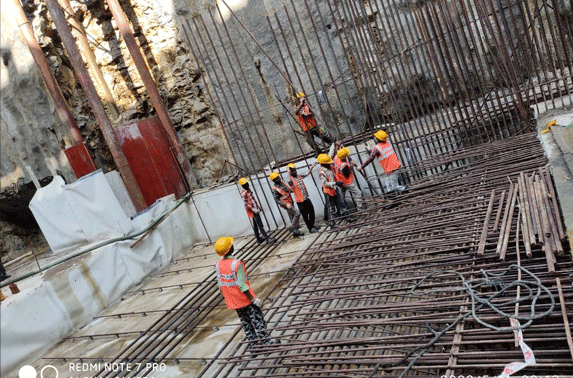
[538, 218]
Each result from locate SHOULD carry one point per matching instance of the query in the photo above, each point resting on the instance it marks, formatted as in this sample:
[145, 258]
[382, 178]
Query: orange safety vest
[299, 189]
[227, 276]
[307, 122]
[249, 200]
[330, 191]
[285, 195]
[339, 164]
[388, 159]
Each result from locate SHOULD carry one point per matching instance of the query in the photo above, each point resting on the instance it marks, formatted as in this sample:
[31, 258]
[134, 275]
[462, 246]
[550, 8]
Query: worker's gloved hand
[289, 206]
[339, 183]
[359, 169]
[256, 211]
[258, 302]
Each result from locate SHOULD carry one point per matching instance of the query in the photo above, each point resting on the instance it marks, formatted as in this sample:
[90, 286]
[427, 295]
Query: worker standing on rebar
[238, 294]
[303, 202]
[253, 212]
[344, 164]
[281, 194]
[305, 116]
[388, 160]
[330, 189]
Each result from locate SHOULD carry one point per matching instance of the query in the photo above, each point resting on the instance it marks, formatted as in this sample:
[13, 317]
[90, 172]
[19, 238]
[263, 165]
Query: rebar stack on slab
[350, 309]
[531, 214]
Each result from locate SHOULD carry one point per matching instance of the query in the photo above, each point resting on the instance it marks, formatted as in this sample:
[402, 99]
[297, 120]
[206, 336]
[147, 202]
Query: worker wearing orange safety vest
[344, 174]
[301, 196]
[281, 193]
[253, 212]
[238, 294]
[330, 189]
[388, 160]
[308, 124]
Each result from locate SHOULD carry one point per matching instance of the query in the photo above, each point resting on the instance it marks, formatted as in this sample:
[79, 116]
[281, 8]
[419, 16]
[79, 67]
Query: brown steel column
[47, 74]
[96, 104]
[127, 34]
[89, 55]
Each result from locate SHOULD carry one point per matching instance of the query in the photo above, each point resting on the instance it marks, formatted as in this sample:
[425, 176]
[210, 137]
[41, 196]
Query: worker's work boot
[260, 240]
[271, 342]
[271, 240]
[332, 225]
[313, 230]
[4, 277]
[296, 233]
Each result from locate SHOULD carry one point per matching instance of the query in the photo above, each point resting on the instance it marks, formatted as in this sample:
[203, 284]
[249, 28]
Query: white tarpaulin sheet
[69, 295]
[78, 214]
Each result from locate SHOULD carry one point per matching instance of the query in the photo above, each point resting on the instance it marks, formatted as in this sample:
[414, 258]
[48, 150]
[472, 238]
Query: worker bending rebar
[305, 116]
[253, 212]
[330, 188]
[344, 174]
[281, 194]
[388, 160]
[301, 196]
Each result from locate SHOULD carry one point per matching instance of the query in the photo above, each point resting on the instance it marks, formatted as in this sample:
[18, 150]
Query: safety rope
[490, 281]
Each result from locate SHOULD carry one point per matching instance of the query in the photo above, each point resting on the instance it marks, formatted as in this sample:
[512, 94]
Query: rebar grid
[350, 312]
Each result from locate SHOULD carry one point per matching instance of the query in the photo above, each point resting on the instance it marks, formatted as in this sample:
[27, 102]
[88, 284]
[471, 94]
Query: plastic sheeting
[78, 214]
[69, 295]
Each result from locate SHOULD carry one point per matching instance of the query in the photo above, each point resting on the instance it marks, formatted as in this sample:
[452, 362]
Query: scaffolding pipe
[84, 46]
[47, 74]
[96, 105]
[149, 83]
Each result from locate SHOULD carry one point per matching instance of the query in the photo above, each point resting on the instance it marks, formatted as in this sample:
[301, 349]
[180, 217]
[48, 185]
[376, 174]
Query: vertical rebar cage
[436, 75]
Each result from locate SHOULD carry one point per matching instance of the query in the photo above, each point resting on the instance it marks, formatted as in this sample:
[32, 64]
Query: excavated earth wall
[33, 135]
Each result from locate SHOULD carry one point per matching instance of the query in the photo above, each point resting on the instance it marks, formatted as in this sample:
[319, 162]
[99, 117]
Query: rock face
[32, 132]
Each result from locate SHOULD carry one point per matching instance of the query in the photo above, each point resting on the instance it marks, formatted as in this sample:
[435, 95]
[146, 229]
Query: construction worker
[281, 194]
[388, 160]
[308, 124]
[253, 212]
[297, 186]
[344, 165]
[330, 189]
[238, 294]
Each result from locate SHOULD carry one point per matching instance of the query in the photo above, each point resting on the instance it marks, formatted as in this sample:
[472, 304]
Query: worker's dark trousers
[334, 202]
[309, 135]
[258, 226]
[2, 270]
[307, 212]
[254, 324]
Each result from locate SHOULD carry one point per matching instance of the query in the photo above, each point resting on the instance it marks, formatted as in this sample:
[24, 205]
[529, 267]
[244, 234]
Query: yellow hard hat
[324, 159]
[343, 153]
[243, 181]
[381, 135]
[291, 165]
[273, 176]
[223, 245]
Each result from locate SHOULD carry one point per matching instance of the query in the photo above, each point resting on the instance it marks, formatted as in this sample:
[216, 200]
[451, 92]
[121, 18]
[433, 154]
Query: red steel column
[96, 104]
[47, 74]
[127, 34]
